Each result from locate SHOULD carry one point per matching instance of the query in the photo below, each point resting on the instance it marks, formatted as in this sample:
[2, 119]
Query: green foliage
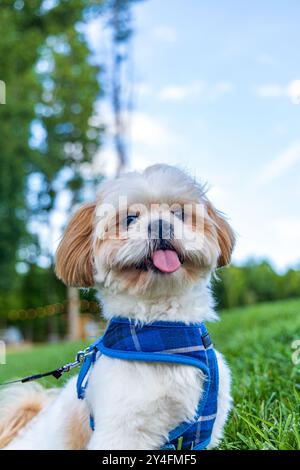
[40, 287]
[18, 52]
[51, 85]
[254, 282]
[256, 341]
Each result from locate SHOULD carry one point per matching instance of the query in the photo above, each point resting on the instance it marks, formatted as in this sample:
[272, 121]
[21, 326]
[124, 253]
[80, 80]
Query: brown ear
[226, 236]
[74, 256]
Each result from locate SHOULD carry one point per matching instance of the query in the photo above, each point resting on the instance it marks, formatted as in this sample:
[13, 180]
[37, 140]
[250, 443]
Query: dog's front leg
[121, 439]
[128, 430]
[130, 406]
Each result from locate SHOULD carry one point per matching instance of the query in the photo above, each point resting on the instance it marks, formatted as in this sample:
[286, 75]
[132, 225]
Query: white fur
[135, 405]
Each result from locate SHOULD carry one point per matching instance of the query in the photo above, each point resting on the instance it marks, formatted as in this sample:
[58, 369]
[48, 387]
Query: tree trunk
[73, 314]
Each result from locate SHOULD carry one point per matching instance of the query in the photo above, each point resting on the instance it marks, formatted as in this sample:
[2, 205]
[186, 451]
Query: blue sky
[217, 91]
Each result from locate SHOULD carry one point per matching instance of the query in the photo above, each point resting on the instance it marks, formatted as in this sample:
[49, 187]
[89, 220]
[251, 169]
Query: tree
[51, 90]
[18, 52]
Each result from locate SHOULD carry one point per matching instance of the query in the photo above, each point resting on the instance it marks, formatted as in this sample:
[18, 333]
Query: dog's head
[147, 233]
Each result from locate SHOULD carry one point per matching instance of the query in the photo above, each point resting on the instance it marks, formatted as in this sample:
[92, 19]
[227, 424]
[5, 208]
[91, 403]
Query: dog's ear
[74, 256]
[225, 234]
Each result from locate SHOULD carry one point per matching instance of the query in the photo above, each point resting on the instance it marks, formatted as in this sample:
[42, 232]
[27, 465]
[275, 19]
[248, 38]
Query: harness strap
[98, 346]
[90, 358]
[184, 427]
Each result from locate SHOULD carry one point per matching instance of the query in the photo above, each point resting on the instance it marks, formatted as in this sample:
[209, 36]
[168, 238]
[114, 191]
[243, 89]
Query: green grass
[266, 384]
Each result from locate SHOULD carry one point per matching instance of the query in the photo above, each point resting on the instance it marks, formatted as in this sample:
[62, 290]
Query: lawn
[266, 384]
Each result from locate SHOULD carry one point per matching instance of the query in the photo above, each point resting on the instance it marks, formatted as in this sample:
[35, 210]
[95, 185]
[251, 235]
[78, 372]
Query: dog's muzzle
[160, 229]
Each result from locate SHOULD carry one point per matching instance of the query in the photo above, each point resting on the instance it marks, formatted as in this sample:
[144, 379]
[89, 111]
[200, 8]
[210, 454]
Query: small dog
[150, 244]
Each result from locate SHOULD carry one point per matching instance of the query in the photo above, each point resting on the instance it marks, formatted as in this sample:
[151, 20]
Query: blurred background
[89, 89]
[93, 88]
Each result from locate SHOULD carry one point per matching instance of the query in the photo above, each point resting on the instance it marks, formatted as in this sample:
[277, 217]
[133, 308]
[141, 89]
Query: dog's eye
[179, 214]
[130, 219]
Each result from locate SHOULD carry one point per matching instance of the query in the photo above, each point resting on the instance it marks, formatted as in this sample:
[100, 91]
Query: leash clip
[80, 357]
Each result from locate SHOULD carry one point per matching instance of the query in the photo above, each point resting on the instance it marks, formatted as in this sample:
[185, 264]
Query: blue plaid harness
[169, 342]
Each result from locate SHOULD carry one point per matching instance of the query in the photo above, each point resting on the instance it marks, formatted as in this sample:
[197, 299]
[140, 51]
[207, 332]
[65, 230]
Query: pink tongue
[166, 261]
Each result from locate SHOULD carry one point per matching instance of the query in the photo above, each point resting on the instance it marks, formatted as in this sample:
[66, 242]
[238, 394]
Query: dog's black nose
[160, 230]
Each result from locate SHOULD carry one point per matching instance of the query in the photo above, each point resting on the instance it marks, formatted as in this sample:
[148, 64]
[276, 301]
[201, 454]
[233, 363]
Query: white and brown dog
[108, 244]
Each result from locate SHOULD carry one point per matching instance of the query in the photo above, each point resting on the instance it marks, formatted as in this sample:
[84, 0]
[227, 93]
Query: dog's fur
[134, 404]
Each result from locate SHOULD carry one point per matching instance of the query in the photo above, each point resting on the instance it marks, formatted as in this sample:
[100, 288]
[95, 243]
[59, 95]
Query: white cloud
[274, 90]
[141, 127]
[97, 34]
[288, 228]
[165, 33]
[142, 89]
[105, 162]
[149, 131]
[194, 89]
[139, 162]
[181, 92]
[150, 140]
[284, 162]
[278, 241]
[293, 91]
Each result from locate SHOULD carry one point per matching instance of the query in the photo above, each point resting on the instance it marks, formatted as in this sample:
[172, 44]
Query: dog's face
[148, 234]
